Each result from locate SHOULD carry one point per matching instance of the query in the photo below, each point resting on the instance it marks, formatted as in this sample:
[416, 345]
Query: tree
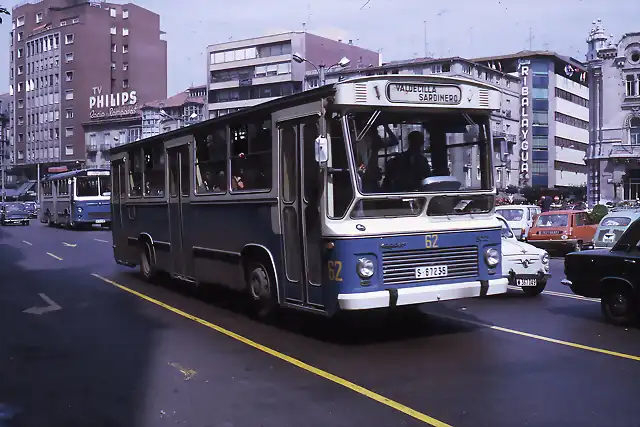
[511, 189]
[3, 11]
[532, 194]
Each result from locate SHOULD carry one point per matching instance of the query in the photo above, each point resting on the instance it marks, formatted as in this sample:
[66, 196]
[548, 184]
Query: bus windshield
[87, 186]
[402, 152]
[105, 186]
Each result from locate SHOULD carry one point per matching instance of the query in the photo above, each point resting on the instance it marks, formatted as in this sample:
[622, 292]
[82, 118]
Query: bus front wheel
[147, 263]
[261, 288]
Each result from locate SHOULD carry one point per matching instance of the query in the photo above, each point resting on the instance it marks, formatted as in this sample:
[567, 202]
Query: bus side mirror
[321, 145]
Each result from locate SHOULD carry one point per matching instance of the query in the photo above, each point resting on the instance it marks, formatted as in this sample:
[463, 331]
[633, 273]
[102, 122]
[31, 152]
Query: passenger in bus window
[408, 169]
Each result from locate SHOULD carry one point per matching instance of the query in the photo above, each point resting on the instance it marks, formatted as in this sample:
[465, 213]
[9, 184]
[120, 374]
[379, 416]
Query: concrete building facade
[614, 133]
[554, 116]
[74, 62]
[505, 123]
[248, 72]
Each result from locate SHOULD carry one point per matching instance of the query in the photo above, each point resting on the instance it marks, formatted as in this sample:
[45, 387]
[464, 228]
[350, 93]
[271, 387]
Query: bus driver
[406, 170]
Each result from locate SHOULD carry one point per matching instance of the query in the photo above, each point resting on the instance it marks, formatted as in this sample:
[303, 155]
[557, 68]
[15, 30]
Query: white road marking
[69, 244]
[102, 241]
[560, 294]
[54, 256]
[27, 243]
[41, 310]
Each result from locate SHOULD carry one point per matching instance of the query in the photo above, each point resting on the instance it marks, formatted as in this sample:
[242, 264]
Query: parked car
[613, 275]
[14, 213]
[523, 264]
[519, 217]
[613, 225]
[563, 230]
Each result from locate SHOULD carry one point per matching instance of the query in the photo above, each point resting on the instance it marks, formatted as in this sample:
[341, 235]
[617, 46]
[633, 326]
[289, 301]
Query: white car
[526, 266]
[519, 218]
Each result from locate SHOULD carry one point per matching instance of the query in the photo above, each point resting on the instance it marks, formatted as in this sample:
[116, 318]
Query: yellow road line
[560, 294]
[300, 364]
[54, 256]
[28, 243]
[542, 338]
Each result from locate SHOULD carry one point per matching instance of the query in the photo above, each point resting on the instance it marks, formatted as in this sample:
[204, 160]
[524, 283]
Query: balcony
[105, 147]
[92, 148]
[509, 137]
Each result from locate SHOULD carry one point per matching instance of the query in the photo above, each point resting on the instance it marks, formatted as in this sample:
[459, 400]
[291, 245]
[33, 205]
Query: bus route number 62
[335, 271]
[431, 241]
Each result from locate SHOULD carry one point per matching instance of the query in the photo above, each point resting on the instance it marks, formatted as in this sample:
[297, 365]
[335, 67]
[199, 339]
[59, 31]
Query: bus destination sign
[420, 93]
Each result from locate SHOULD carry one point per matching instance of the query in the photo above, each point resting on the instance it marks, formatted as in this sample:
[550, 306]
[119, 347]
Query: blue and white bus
[77, 198]
[369, 193]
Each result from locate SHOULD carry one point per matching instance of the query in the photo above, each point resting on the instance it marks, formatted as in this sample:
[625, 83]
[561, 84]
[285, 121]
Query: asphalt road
[102, 348]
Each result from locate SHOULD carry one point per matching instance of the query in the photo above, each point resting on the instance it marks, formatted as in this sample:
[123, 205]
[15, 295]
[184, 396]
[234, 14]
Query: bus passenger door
[301, 227]
[178, 159]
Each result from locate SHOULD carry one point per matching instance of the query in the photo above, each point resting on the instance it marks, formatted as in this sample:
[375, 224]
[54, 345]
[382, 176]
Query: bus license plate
[100, 221]
[429, 272]
[526, 282]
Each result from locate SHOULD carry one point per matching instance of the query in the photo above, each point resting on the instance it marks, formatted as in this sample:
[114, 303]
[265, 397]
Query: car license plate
[100, 221]
[526, 282]
[429, 272]
[608, 238]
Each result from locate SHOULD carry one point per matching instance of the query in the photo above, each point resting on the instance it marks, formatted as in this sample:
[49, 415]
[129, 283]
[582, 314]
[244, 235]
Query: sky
[466, 28]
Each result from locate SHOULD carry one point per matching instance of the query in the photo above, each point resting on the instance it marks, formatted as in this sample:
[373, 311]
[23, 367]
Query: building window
[125, 13]
[125, 66]
[68, 131]
[539, 93]
[68, 76]
[20, 103]
[20, 69]
[39, 17]
[68, 150]
[114, 48]
[571, 121]
[20, 120]
[113, 65]
[68, 39]
[20, 35]
[125, 48]
[632, 84]
[68, 57]
[20, 52]
[114, 30]
[634, 131]
[68, 94]
[20, 21]
[69, 113]
[75, 20]
[63, 23]
[20, 86]
[20, 154]
[125, 31]
[568, 96]
[540, 118]
[112, 12]
[125, 83]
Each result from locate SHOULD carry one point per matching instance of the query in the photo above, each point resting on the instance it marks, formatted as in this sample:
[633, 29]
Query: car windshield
[553, 220]
[511, 214]
[15, 207]
[87, 186]
[616, 221]
[506, 231]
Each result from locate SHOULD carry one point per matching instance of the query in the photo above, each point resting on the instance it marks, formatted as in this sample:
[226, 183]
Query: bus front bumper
[420, 294]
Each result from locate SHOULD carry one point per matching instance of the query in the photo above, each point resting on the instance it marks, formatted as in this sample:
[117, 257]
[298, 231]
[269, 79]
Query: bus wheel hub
[260, 284]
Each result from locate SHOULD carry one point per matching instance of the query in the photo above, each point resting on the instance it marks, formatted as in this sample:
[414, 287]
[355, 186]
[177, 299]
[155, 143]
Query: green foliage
[598, 212]
[532, 194]
[511, 189]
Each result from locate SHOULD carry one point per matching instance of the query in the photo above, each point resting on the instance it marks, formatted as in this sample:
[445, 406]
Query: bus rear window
[616, 221]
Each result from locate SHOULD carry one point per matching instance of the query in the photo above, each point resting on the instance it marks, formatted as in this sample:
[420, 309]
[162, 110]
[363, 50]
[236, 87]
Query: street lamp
[343, 63]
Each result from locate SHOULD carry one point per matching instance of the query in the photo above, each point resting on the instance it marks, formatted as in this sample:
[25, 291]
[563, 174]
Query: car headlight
[79, 210]
[365, 268]
[491, 257]
[545, 258]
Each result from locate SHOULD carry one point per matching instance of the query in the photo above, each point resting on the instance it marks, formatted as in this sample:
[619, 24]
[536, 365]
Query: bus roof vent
[484, 98]
[360, 92]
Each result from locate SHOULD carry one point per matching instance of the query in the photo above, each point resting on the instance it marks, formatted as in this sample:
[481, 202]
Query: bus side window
[251, 148]
[154, 171]
[135, 173]
[211, 161]
[342, 189]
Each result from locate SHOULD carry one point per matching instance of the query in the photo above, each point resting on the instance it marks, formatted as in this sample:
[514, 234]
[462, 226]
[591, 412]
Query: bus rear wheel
[147, 264]
[261, 286]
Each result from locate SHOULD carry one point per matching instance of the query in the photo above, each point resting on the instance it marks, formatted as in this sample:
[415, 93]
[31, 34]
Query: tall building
[182, 109]
[505, 123]
[614, 137]
[74, 63]
[554, 117]
[5, 156]
[244, 73]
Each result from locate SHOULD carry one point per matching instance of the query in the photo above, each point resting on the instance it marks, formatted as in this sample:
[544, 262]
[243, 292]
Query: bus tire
[262, 289]
[148, 269]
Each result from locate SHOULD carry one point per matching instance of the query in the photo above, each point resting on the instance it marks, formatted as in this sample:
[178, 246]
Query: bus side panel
[132, 226]
[46, 208]
[219, 232]
[151, 219]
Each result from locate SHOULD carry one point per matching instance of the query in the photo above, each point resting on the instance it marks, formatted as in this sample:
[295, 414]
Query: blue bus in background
[76, 199]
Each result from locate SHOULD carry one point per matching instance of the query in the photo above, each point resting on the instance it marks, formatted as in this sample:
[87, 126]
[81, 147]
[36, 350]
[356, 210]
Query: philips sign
[113, 104]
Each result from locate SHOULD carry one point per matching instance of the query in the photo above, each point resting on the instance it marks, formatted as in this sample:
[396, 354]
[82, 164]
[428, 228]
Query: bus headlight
[365, 268]
[79, 210]
[491, 257]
